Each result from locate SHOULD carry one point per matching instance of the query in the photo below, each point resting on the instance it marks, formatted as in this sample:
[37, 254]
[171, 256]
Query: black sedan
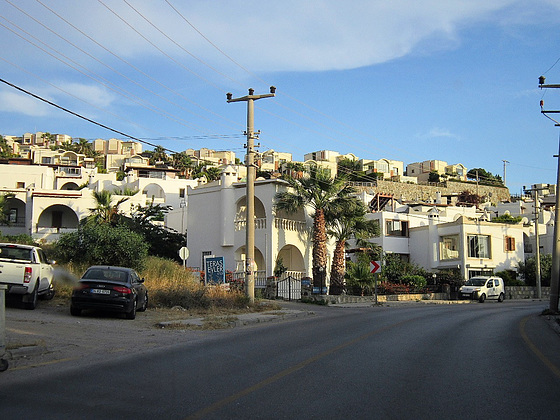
[107, 288]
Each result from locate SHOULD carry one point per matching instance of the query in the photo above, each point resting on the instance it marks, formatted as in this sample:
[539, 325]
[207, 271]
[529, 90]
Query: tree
[348, 168]
[5, 208]
[433, 176]
[318, 190]
[162, 241]
[469, 198]
[101, 243]
[346, 221]
[395, 269]
[358, 274]
[528, 270]
[212, 173]
[5, 150]
[484, 177]
[159, 155]
[182, 162]
[105, 211]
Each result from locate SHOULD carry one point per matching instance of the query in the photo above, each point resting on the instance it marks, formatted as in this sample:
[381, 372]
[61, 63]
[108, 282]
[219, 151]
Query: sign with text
[214, 269]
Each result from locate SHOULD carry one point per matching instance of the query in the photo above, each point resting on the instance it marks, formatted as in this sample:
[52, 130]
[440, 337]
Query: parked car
[27, 273]
[483, 288]
[109, 288]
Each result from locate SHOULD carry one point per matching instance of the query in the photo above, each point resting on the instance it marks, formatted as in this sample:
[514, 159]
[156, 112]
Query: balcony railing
[242, 224]
[289, 224]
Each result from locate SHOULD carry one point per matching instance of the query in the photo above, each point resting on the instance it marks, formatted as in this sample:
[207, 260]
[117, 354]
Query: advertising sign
[214, 269]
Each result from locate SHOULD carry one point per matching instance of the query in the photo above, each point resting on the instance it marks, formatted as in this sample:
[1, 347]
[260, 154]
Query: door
[491, 290]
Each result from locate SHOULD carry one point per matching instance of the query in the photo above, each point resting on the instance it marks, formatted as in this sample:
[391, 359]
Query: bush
[417, 282]
[94, 244]
[510, 278]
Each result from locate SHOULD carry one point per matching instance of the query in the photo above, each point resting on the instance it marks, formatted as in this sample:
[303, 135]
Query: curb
[241, 320]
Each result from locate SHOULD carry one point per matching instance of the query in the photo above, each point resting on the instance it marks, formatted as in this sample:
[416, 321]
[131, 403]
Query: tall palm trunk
[338, 269]
[319, 250]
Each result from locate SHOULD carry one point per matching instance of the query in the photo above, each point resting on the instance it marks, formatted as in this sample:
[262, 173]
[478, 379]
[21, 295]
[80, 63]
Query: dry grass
[169, 286]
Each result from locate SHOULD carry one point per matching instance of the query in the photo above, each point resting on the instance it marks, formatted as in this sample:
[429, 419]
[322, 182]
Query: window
[181, 193]
[396, 228]
[20, 184]
[449, 247]
[12, 217]
[479, 246]
[205, 254]
[510, 243]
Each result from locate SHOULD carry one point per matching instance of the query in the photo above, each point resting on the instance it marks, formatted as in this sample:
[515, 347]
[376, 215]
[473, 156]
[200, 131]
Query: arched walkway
[59, 217]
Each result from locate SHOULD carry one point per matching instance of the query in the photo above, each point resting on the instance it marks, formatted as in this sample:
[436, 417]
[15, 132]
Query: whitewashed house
[217, 221]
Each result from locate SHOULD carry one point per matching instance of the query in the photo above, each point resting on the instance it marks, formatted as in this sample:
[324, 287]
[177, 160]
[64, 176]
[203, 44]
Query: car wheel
[145, 304]
[482, 298]
[50, 293]
[3, 365]
[75, 311]
[132, 313]
[501, 297]
[32, 298]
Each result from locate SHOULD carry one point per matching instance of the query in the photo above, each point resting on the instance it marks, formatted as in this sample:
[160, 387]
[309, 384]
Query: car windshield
[475, 282]
[106, 274]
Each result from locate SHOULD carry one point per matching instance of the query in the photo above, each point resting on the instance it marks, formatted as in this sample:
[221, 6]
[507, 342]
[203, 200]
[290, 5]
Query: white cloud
[22, 104]
[438, 133]
[95, 95]
[314, 35]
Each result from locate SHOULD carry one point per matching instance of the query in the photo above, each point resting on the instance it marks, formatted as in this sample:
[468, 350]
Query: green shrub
[414, 280]
[100, 243]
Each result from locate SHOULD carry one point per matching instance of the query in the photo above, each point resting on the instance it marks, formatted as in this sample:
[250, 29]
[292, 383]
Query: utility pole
[250, 195]
[536, 190]
[555, 274]
[505, 163]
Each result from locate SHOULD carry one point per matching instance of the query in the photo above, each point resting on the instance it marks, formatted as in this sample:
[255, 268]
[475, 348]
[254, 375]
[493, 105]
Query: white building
[217, 220]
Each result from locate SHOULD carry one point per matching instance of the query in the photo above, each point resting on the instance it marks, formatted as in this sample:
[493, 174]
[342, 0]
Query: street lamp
[251, 175]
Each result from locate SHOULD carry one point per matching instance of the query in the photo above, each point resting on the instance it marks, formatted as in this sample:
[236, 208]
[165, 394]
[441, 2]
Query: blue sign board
[214, 268]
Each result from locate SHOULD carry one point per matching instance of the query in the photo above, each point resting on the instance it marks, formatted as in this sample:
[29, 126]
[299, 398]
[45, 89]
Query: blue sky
[405, 80]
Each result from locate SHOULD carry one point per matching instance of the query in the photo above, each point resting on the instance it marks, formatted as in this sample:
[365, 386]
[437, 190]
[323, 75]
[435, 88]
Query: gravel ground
[49, 335]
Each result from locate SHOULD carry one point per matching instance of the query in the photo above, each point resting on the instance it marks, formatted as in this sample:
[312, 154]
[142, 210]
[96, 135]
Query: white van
[483, 288]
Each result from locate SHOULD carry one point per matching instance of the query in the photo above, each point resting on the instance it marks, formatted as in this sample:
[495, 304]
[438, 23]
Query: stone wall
[526, 292]
[414, 192]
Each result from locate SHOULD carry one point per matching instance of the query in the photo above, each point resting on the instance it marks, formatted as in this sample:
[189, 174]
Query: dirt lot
[49, 335]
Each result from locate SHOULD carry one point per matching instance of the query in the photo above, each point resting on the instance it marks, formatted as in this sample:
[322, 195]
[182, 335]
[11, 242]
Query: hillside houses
[53, 189]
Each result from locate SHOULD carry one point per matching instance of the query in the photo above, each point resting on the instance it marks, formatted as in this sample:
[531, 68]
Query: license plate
[101, 291]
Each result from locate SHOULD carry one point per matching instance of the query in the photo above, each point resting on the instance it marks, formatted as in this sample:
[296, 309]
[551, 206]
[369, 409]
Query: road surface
[417, 361]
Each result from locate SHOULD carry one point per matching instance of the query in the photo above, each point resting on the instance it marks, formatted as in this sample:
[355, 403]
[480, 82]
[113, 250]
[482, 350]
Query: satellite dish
[525, 221]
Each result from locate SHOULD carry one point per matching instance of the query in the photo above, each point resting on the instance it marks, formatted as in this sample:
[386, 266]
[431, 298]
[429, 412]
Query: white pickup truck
[26, 271]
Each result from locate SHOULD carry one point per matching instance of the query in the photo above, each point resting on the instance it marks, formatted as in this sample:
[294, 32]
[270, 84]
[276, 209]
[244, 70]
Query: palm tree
[360, 274]
[105, 211]
[347, 221]
[320, 191]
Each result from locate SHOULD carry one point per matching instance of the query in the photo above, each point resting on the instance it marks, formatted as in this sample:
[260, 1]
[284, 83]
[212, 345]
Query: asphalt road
[403, 361]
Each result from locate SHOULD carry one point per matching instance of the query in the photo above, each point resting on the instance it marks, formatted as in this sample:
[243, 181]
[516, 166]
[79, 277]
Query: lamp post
[251, 175]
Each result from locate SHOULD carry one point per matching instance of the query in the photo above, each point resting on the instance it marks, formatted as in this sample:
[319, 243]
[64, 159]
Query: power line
[81, 116]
